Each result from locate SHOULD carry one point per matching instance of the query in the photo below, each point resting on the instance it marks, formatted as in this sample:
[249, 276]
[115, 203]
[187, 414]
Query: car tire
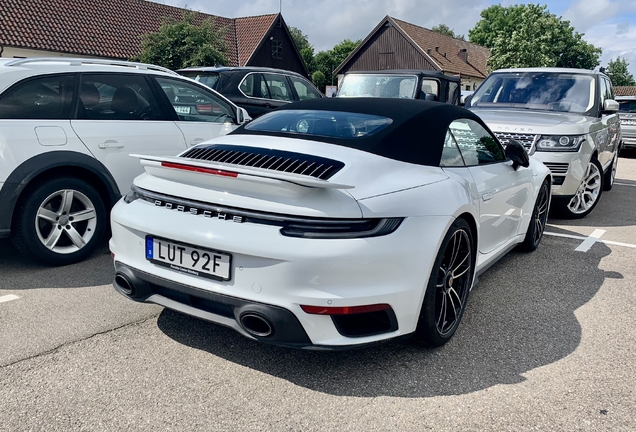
[588, 194]
[539, 218]
[59, 222]
[449, 283]
[610, 175]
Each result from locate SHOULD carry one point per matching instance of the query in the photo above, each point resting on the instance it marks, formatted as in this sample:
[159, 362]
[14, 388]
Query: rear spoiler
[242, 172]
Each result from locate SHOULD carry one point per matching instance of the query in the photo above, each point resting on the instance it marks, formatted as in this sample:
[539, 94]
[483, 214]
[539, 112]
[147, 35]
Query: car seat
[125, 104]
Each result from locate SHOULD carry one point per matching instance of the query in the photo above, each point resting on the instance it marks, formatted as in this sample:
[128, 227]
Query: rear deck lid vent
[270, 159]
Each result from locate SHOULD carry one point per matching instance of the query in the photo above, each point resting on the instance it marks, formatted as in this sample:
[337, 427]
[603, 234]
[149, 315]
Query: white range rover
[567, 118]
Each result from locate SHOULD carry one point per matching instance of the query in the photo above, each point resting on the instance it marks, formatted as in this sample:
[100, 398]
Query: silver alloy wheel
[453, 282]
[65, 221]
[588, 192]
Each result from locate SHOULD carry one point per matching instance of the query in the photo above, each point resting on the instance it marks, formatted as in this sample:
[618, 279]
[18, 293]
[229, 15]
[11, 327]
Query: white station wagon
[67, 127]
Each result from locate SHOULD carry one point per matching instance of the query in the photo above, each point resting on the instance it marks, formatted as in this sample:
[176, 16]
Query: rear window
[336, 124]
[207, 78]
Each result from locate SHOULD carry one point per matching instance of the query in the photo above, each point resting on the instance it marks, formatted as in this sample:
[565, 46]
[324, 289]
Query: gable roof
[441, 50]
[113, 28]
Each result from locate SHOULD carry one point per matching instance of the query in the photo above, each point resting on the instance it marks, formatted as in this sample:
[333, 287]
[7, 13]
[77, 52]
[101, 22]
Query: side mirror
[610, 106]
[430, 97]
[467, 100]
[517, 154]
[242, 116]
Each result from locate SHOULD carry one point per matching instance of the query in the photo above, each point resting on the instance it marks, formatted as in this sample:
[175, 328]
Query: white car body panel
[21, 140]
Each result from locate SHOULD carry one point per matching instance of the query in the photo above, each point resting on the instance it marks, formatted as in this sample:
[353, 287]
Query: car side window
[429, 86]
[194, 103]
[304, 89]
[476, 144]
[277, 86]
[45, 98]
[451, 157]
[117, 97]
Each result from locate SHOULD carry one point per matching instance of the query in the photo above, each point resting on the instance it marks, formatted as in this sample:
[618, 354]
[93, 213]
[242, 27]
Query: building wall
[10, 52]
[289, 59]
[470, 83]
[388, 49]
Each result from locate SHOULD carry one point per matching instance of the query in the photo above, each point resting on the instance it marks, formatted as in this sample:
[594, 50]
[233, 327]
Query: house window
[277, 49]
[467, 86]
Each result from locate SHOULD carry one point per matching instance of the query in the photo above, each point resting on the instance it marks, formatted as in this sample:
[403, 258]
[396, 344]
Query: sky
[607, 24]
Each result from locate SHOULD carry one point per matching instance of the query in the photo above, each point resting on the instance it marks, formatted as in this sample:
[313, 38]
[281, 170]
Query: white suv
[567, 118]
[67, 127]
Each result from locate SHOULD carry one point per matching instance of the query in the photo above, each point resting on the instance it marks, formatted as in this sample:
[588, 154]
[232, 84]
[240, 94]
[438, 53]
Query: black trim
[287, 329]
[21, 177]
[270, 159]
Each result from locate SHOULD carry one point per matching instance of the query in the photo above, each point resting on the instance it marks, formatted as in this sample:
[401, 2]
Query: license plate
[182, 109]
[187, 259]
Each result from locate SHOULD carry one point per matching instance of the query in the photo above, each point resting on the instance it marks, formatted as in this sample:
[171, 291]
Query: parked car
[330, 222]
[67, 127]
[402, 83]
[258, 90]
[567, 118]
[627, 114]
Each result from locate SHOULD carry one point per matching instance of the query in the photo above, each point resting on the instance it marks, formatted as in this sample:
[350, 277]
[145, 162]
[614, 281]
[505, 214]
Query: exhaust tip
[124, 284]
[256, 325]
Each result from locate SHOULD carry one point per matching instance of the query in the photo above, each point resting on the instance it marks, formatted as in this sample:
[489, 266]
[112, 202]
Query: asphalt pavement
[548, 342]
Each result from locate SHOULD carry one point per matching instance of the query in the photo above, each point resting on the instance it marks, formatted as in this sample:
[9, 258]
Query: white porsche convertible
[330, 223]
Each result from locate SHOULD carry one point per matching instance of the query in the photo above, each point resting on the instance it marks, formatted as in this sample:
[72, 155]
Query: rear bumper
[227, 311]
[629, 141]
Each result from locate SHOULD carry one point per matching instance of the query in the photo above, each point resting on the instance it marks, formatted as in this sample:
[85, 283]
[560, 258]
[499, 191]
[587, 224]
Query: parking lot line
[597, 240]
[589, 241]
[7, 298]
[625, 184]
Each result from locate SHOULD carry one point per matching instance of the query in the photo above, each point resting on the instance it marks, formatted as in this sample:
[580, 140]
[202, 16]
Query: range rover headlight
[560, 142]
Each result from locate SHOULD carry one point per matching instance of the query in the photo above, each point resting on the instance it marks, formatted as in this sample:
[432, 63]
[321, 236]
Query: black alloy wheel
[536, 227]
[448, 286]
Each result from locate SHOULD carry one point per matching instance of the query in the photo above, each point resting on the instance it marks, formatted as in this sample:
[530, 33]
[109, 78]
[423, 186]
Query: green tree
[619, 74]
[303, 46]
[445, 30]
[184, 43]
[528, 35]
[327, 61]
[318, 78]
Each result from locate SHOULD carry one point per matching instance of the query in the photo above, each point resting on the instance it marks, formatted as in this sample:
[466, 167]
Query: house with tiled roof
[625, 90]
[397, 44]
[114, 29]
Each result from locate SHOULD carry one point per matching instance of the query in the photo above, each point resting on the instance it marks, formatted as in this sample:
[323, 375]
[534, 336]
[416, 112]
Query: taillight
[344, 310]
[199, 169]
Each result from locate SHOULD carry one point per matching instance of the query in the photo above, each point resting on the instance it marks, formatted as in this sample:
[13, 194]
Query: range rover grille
[526, 139]
[276, 160]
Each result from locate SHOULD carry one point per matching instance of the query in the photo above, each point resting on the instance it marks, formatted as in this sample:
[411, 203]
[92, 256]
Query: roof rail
[80, 61]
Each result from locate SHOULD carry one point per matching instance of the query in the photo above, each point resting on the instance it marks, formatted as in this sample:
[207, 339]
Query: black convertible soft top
[416, 134]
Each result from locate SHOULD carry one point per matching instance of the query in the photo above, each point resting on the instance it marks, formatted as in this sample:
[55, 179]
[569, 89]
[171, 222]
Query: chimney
[437, 49]
[463, 54]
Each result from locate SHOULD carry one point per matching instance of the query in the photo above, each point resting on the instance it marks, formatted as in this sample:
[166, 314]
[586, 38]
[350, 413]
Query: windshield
[628, 106]
[207, 78]
[537, 91]
[376, 85]
[335, 124]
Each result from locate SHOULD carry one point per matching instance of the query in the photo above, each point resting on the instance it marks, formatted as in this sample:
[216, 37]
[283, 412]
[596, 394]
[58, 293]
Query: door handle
[110, 144]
